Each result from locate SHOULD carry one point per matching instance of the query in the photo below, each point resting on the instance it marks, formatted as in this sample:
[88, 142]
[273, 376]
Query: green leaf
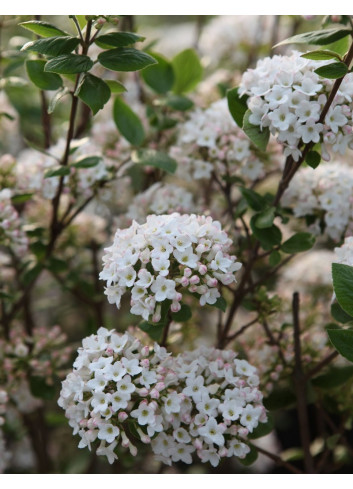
[115, 86]
[56, 265]
[117, 39]
[87, 162]
[39, 249]
[39, 388]
[268, 237]
[221, 304]
[333, 70]
[187, 71]
[94, 92]
[262, 429]
[274, 258]
[31, 275]
[335, 377]
[183, 315]
[342, 276]
[52, 46]
[160, 76]
[342, 340]
[125, 59]
[237, 105]
[179, 102]
[42, 28]
[157, 159]
[69, 63]
[298, 242]
[20, 198]
[254, 133]
[255, 200]
[57, 172]
[128, 122]
[321, 54]
[154, 331]
[44, 81]
[321, 37]
[250, 458]
[313, 159]
[264, 219]
[338, 313]
[57, 96]
[280, 399]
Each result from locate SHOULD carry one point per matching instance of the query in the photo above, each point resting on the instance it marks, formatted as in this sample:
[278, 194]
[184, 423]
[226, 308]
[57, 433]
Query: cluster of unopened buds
[11, 233]
[164, 257]
[286, 95]
[203, 402]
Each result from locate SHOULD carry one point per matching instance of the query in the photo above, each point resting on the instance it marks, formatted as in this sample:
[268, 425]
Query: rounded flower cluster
[326, 194]
[203, 402]
[11, 233]
[164, 257]
[211, 141]
[286, 95]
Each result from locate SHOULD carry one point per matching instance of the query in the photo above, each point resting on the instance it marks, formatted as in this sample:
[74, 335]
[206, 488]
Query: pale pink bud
[198, 444]
[122, 416]
[175, 307]
[243, 431]
[133, 450]
[187, 272]
[193, 288]
[145, 362]
[184, 281]
[157, 315]
[178, 296]
[142, 392]
[202, 269]
[154, 394]
[194, 280]
[223, 452]
[160, 386]
[145, 351]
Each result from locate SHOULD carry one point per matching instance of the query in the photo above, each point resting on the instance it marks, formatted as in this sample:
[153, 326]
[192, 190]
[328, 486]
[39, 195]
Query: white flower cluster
[204, 402]
[344, 253]
[168, 254]
[211, 141]
[11, 232]
[325, 193]
[286, 95]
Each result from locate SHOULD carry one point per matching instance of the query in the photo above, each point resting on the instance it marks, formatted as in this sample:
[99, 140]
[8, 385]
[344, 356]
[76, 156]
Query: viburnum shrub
[200, 208]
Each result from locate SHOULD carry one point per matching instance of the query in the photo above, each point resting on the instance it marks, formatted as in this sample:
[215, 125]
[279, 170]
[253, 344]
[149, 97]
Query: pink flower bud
[202, 269]
[122, 416]
[184, 281]
[142, 392]
[198, 444]
[187, 272]
[175, 307]
[145, 362]
[243, 431]
[178, 296]
[133, 450]
[193, 288]
[194, 280]
[223, 452]
[160, 386]
[154, 394]
[145, 351]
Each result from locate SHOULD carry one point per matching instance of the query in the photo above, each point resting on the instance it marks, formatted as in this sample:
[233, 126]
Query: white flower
[163, 288]
[108, 451]
[108, 432]
[250, 417]
[145, 414]
[213, 432]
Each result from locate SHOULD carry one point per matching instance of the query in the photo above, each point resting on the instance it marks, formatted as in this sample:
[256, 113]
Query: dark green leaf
[335, 377]
[87, 162]
[39, 249]
[31, 275]
[39, 388]
[52, 46]
[160, 77]
[274, 258]
[69, 63]
[255, 200]
[313, 159]
[237, 105]
[298, 242]
[264, 219]
[321, 54]
[183, 315]
[20, 198]
[57, 96]
[342, 276]
[44, 81]
[115, 86]
[7, 115]
[268, 237]
[152, 157]
[262, 429]
[94, 92]
[338, 313]
[128, 122]
[220, 303]
[187, 71]
[154, 331]
[179, 102]
[321, 37]
[342, 340]
[250, 458]
[259, 137]
[280, 399]
[57, 172]
[56, 265]
[43, 28]
[125, 59]
[117, 39]
[333, 70]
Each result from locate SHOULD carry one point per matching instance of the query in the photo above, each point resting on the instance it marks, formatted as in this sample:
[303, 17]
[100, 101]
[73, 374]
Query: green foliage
[342, 276]
[313, 159]
[333, 70]
[187, 70]
[220, 304]
[43, 29]
[57, 172]
[53, 46]
[57, 96]
[31, 274]
[87, 162]
[125, 59]
[237, 105]
[321, 54]
[342, 340]
[262, 429]
[69, 63]
[94, 92]
[259, 137]
[335, 377]
[298, 242]
[157, 159]
[117, 39]
[274, 258]
[39, 388]
[44, 81]
[250, 458]
[115, 86]
[183, 315]
[321, 37]
[268, 237]
[154, 331]
[338, 313]
[20, 198]
[254, 200]
[160, 76]
[264, 219]
[128, 123]
[179, 102]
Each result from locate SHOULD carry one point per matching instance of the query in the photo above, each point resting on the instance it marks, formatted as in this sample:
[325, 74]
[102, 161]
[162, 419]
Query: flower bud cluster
[325, 193]
[164, 257]
[287, 96]
[11, 233]
[211, 141]
[203, 402]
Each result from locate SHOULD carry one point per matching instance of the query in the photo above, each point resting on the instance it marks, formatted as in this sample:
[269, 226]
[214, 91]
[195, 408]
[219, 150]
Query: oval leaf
[69, 63]
[333, 70]
[128, 122]
[160, 77]
[342, 276]
[321, 37]
[299, 242]
[259, 137]
[321, 54]
[157, 159]
[44, 81]
[87, 162]
[52, 46]
[237, 105]
[43, 28]
[115, 86]
[342, 340]
[94, 92]
[117, 39]
[187, 71]
[125, 59]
